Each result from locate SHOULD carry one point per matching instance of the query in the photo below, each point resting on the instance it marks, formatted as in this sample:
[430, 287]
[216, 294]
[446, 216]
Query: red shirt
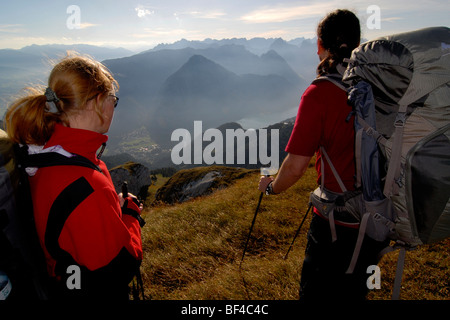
[96, 231]
[321, 121]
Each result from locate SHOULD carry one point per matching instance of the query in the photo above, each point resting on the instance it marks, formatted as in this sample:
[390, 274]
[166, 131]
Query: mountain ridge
[212, 81]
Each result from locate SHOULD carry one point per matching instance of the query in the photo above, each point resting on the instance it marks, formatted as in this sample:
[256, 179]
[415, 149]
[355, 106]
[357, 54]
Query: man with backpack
[323, 127]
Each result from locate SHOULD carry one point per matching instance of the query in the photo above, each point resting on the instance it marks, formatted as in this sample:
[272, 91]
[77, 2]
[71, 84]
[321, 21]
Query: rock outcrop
[191, 183]
[136, 175]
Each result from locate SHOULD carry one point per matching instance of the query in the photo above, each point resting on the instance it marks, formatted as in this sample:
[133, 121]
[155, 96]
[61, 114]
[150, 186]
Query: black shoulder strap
[49, 159]
[334, 78]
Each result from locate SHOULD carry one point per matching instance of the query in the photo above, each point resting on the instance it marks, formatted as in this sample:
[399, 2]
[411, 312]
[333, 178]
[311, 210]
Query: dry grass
[192, 251]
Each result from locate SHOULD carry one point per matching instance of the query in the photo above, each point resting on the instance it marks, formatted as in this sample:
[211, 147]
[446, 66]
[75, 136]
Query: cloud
[206, 15]
[160, 32]
[86, 25]
[11, 28]
[392, 19]
[286, 13]
[143, 12]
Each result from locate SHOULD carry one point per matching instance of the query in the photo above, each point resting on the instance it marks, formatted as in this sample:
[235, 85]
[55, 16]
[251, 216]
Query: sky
[142, 24]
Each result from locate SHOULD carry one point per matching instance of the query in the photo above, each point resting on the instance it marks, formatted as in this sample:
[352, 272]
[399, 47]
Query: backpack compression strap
[393, 176]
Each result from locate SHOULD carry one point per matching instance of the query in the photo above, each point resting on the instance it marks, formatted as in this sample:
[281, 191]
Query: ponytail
[28, 120]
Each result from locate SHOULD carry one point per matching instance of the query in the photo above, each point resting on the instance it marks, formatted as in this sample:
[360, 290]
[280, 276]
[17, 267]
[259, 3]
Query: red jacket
[84, 210]
[321, 121]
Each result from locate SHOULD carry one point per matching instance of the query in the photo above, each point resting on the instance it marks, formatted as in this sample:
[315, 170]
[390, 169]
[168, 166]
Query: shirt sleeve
[306, 134]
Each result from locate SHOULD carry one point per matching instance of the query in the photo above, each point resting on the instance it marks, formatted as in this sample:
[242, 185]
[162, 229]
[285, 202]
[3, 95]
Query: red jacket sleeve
[133, 224]
[96, 232]
[306, 134]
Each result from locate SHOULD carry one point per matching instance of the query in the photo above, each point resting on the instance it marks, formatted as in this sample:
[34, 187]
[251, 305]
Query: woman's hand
[264, 182]
[122, 200]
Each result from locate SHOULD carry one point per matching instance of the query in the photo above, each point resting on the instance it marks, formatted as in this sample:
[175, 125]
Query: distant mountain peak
[278, 42]
[199, 59]
[198, 66]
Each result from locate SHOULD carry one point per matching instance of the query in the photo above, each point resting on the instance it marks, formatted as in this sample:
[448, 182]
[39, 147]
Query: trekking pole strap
[399, 274]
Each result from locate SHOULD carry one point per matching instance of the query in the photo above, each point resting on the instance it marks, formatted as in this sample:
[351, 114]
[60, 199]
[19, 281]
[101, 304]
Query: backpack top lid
[403, 68]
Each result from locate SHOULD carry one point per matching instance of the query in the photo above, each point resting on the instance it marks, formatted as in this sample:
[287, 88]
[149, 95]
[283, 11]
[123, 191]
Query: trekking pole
[251, 227]
[297, 232]
[140, 284]
[253, 223]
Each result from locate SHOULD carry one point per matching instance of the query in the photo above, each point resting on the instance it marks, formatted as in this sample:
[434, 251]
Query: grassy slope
[193, 250]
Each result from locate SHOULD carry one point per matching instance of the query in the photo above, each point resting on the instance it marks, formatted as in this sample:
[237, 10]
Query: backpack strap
[370, 131]
[65, 203]
[50, 159]
[393, 176]
[399, 274]
[333, 169]
[322, 184]
[359, 241]
[334, 78]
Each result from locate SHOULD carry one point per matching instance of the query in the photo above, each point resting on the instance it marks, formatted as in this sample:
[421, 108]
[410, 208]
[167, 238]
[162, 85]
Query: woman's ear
[99, 100]
[321, 51]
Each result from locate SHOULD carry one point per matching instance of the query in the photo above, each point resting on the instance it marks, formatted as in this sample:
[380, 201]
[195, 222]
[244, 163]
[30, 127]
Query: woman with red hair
[80, 219]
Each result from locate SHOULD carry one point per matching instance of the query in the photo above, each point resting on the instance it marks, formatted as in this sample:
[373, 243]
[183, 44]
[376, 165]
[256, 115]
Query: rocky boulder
[191, 183]
[136, 175]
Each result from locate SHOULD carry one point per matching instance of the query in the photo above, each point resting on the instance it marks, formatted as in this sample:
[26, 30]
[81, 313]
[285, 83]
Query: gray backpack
[399, 88]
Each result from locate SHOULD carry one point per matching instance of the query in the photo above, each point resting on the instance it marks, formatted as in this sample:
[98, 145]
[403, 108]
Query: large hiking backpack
[408, 76]
[23, 270]
[399, 88]
[21, 259]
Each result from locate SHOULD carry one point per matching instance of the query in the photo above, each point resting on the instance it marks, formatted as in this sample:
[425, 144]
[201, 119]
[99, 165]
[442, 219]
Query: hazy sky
[139, 24]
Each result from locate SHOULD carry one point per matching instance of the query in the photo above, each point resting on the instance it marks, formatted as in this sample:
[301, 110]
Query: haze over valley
[252, 83]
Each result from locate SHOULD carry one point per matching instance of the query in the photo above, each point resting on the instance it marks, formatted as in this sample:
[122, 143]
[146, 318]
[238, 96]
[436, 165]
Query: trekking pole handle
[124, 189]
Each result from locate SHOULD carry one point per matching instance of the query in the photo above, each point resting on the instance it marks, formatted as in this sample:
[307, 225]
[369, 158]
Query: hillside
[191, 183]
[193, 250]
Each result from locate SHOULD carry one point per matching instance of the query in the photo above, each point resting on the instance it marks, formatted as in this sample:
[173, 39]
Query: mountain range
[257, 81]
